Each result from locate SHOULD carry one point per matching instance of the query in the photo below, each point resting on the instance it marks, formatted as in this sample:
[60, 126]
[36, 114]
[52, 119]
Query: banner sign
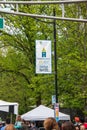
[56, 111]
[53, 99]
[43, 56]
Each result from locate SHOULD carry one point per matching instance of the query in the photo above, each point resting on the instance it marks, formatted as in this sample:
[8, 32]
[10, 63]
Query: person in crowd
[10, 127]
[33, 126]
[39, 125]
[18, 123]
[79, 123]
[1, 125]
[6, 124]
[85, 123]
[51, 124]
[68, 125]
[24, 125]
[60, 124]
[28, 124]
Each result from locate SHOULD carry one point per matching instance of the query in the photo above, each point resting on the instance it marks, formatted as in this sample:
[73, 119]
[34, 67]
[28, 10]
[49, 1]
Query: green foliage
[18, 81]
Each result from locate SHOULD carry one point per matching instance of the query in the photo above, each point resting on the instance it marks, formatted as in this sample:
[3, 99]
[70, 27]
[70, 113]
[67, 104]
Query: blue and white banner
[43, 57]
[56, 111]
[53, 99]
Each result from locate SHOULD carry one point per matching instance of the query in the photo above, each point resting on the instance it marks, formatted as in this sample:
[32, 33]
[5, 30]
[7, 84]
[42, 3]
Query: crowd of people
[18, 125]
[48, 124]
[78, 124]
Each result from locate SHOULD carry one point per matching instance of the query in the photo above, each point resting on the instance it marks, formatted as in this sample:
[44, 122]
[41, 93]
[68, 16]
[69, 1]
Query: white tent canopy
[4, 106]
[43, 112]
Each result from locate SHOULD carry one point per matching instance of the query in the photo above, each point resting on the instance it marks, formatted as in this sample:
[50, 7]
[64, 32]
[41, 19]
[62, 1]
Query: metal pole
[42, 16]
[55, 59]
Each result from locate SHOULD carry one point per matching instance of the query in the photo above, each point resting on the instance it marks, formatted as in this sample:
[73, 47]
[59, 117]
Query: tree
[17, 62]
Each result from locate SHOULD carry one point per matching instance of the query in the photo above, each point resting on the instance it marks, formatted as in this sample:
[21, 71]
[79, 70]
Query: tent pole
[11, 118]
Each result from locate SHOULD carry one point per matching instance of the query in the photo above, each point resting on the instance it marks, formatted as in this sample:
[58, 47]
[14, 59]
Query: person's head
[77, 119]
[18, 118]
[50, 124]
[33, 123]
[8, 121]
[68, 126]
[10, 127]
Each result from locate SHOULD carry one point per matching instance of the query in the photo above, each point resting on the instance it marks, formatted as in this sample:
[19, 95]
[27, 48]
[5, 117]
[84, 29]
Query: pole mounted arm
[42, 16]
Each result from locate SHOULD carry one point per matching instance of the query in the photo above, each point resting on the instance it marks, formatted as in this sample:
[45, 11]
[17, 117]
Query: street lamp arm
[44, 16]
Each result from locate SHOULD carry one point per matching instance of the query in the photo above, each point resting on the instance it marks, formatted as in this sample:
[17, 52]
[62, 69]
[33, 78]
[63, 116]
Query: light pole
[55, 58]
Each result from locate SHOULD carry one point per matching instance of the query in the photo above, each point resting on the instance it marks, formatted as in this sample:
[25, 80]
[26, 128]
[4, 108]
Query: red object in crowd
[77, 119]
[85, 125]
